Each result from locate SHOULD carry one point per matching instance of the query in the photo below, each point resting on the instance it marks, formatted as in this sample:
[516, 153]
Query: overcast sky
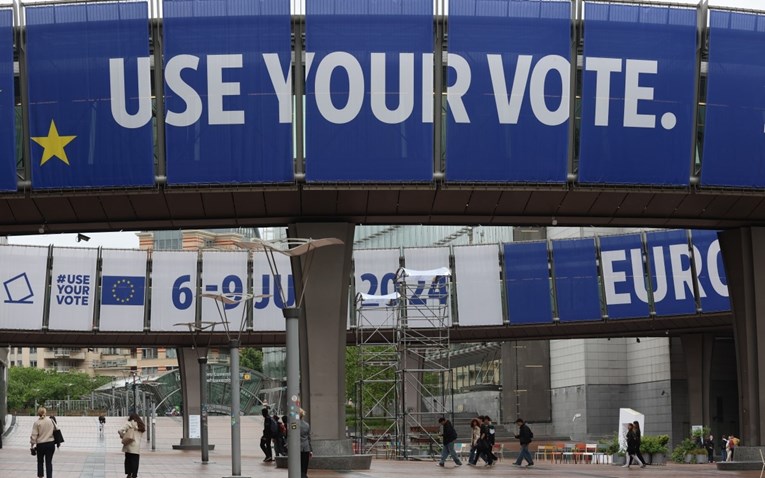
[128, 240]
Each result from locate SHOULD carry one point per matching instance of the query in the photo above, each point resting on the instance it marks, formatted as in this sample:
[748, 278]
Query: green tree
[27, 385]
[251, 358]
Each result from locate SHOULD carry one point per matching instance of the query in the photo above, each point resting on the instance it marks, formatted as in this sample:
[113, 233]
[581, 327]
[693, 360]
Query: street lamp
[195, 330]
[221, 302]
[293, 248]
[134, 373]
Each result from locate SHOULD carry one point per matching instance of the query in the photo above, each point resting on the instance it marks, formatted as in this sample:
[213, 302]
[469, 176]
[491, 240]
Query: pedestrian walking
[633, 448]
[487, 441]
[449, 438]
[639, 439]
[268, 434]
[42, 443]
[524, 436]
[305, 444]
[475, 429]
[131, 435]
[724, 441]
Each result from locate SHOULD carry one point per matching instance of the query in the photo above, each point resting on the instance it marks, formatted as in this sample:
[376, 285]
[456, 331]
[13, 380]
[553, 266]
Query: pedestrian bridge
[653, 283]
[185, 119]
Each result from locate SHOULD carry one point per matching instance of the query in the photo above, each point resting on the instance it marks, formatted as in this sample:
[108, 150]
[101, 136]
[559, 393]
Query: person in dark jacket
[450, 436]
[633, 447]
[306, 451]
[638, 437]
[709, 444]
[265, 440]
[524, 436]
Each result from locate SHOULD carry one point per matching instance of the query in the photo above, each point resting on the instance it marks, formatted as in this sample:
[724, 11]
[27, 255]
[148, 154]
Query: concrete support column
[188, 366]
[323, 327]
[697, 351]
[743, 252]
[525, 379]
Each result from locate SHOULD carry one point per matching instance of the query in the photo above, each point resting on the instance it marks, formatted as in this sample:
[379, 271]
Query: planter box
[701, 459]
[618, 459]
[658, 459]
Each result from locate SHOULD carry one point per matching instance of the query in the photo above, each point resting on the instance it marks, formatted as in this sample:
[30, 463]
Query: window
[33, 363]
[32, 350]
[149, 353]
[171, 353]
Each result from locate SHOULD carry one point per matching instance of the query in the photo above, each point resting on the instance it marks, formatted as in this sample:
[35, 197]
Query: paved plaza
[87, 454]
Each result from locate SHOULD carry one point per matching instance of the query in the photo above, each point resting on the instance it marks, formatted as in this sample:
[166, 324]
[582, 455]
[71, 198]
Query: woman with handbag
[41, 441]
[131, 434]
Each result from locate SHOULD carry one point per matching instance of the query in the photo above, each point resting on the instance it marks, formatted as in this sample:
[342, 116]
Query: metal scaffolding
[404, 365]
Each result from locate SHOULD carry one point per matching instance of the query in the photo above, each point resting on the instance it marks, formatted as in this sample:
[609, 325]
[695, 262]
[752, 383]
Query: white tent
[627, 416]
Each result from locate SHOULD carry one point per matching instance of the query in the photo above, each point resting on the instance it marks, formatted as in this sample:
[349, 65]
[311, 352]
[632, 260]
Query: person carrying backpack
[524, 436]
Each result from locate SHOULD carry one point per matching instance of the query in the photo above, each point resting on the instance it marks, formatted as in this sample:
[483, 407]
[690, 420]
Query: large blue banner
[508, 93]
[637, 94]
[527, 283]
[89, 95]
[624, 284]
[228, 91]
[734, 136]
[369, 90]
[576, 280]
[671, 272]
[7, 104]
[712, 281]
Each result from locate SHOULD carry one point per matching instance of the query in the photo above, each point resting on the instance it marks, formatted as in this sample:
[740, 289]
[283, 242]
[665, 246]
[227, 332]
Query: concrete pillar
[743, 252]
[697, 351]
[189, 370]
[323, 327]
[526, 381]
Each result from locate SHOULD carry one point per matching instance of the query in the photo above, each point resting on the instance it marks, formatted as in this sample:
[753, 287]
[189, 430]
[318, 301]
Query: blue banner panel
[671, 272]
[527, 282]
[508, 94]
[7, 104]
[621, 259]
[90, 95]
[734, 136]
[637, 94]
[369, 90]
[712, 281]
[228, 91]
[576, 280]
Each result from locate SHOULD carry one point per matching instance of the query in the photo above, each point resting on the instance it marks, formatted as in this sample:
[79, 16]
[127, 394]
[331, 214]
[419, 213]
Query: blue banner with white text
[369, 90]
[671, 272]
[624, 280]
[508, 93]
[527, 283]
[637, 94]
[710, 271]
[228, 98]
[90, 105]
[577, 288]
[7, 104]
[734, 136]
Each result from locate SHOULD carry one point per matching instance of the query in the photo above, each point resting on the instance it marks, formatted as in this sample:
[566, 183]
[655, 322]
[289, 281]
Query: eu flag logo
[122, 290]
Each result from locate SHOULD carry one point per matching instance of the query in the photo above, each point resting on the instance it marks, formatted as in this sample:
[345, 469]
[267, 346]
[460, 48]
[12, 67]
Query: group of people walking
[43, 444]
[275, 433]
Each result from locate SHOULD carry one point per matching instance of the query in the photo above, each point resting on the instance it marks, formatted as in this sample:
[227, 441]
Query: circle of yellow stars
[53, 144]
[119, 284]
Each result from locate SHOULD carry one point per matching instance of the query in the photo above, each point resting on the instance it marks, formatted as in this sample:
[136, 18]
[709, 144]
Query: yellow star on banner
[53, 144]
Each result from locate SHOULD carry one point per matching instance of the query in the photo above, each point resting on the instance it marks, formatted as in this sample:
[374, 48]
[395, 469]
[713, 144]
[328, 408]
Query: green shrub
[612, 445]
[685, 447]
[654, 444]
